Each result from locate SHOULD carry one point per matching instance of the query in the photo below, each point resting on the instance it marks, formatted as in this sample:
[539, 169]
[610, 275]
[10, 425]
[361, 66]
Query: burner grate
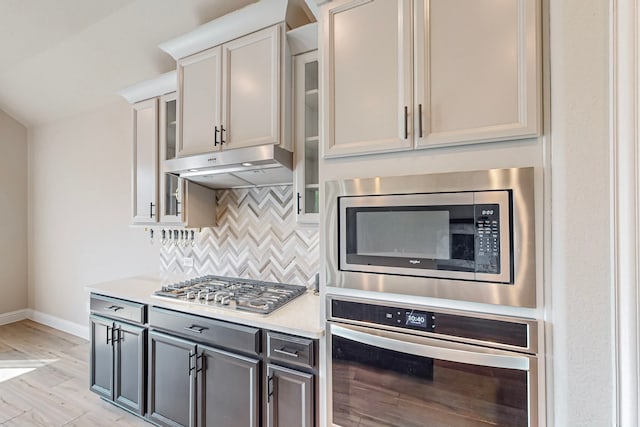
[233, 293]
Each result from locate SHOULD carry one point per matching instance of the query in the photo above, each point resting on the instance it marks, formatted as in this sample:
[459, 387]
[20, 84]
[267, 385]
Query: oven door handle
[433, 348]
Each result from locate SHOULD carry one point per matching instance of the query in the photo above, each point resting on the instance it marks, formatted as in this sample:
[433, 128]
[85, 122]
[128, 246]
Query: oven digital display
[416, 318]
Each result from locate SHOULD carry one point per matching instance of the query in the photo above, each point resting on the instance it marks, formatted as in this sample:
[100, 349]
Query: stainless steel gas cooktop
[233, 293]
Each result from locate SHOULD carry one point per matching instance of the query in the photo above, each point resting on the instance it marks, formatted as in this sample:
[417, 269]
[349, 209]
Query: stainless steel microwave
[466, 235]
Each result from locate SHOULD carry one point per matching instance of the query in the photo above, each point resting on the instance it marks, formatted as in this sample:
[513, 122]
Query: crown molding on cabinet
[163, 84]
[236, 24]
[313, 6]
[303, 39]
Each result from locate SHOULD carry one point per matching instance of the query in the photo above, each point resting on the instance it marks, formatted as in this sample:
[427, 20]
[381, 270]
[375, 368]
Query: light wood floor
[55, 390]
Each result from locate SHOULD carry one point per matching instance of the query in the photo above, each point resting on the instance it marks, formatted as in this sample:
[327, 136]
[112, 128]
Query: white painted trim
[241, 22]
[161, 85]
[72, 328]
[46, 319]
[14, 316]
[625, 208]
[313, 6]
[303, 39]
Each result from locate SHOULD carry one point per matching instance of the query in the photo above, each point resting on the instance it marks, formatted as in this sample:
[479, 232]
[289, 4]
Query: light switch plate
[187, 261]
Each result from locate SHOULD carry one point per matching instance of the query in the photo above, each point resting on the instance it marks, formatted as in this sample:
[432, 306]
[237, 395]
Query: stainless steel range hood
[262, 165]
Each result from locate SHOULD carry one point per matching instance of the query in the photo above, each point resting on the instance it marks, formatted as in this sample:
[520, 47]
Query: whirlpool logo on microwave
[414, 261]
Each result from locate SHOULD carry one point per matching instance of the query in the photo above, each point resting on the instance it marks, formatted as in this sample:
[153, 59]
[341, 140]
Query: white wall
[13, 215]
[581, 286]
[80, 211]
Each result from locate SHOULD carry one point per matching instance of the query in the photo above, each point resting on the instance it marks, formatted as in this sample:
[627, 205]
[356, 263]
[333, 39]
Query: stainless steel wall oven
[413, 366]
[467, 235]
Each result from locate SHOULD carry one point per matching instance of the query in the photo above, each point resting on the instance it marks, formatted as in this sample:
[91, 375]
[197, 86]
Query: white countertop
[300, 316]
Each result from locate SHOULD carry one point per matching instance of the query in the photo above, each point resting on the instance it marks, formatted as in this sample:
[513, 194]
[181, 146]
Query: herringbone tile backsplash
[256, 236]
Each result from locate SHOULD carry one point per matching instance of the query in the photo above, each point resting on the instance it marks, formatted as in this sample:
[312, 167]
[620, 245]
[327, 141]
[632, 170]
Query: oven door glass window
[374, 386]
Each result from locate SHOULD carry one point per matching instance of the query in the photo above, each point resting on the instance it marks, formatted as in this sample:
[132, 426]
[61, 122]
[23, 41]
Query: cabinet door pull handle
[191, 368]
[222, 130]
[109, 335]
[299, 209]
[269, 388]
[151, 205]
[194, 328]
[200, 357]
[285, 352]
[420, 119]
[406, 122]
[215, 135]
[114, 308]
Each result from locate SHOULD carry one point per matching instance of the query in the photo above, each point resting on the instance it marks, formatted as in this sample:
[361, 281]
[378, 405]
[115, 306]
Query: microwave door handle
[432, 348]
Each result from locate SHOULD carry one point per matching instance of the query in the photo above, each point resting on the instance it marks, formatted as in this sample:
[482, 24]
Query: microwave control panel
[487, 238]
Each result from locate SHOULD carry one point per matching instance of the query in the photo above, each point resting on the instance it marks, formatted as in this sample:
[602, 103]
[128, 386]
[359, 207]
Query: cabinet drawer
[118, 308]
[290, 349]
[207, 331]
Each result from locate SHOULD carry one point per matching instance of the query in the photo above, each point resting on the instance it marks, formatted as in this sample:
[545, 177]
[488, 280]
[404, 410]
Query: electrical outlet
[187, 261]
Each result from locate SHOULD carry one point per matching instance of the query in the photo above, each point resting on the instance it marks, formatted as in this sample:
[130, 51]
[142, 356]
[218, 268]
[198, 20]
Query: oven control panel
[487, 238]
[445, 324]
[383, 315]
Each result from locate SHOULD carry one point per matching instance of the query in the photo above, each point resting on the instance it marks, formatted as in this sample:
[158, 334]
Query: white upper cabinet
[171, 187]
[229, 95]
[251, 89]
[199, 112]
[366, 60]
[306, 138]
[477, 71]
[145, 162]
[181, 203]
[403, 74]
[159, 198]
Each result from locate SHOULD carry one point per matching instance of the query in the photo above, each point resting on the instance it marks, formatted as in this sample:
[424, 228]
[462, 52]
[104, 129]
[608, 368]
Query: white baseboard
[14, 316]
[46, 319]
[72, 328]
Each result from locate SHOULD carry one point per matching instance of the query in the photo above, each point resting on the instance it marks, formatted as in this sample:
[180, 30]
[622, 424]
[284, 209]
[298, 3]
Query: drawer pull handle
[286, 353]
[194, 328]
[114, 308]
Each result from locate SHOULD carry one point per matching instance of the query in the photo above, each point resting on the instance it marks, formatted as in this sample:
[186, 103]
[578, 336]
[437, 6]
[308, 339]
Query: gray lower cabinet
[101, 357]
[290, 397]
[291, 389]
[172, 380]
[118, 362]
[192, 384]
[229, 390]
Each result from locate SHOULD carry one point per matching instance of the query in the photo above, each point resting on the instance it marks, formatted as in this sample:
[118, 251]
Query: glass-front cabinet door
[306, 137]
[171, 187]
